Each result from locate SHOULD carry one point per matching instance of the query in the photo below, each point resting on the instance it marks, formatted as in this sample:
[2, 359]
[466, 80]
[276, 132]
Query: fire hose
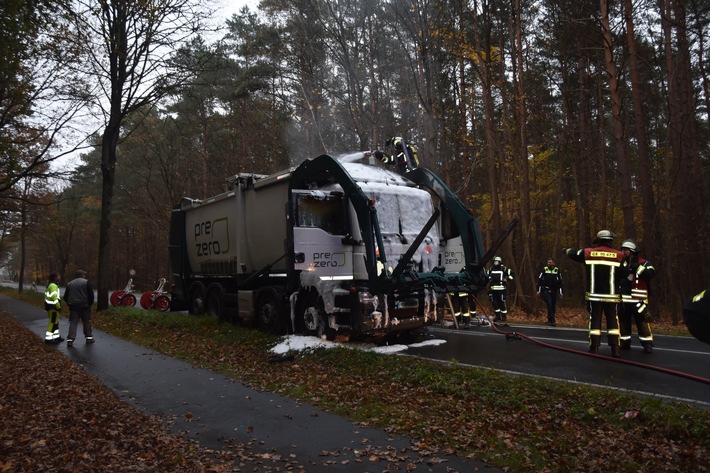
[515, 335]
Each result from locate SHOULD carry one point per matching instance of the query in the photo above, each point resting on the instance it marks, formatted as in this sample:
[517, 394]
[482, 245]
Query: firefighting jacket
[498, 277]
[550, 278]
[634, 281]
[602, 264]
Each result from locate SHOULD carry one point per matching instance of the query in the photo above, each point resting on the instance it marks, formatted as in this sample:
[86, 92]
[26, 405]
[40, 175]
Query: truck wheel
[215, 302]
[269, 304]
[197, 298]
[312, 319]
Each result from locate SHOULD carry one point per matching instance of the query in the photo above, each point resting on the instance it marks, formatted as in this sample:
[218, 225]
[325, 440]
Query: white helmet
[630, 245]
[604, 235]
[497, 259]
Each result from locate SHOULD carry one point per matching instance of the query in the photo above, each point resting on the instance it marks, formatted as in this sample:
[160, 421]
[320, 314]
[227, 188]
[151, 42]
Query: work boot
[647, 349]
[70, 342]
[594, 349]
[615, 351]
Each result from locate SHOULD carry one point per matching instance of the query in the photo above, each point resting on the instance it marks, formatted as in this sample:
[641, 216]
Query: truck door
[320, 226]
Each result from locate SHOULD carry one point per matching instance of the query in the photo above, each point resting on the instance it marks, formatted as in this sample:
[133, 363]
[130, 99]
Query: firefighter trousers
[596, 311]
[628, 313]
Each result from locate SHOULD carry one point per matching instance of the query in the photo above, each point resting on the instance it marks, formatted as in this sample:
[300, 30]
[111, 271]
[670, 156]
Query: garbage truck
[326, 248]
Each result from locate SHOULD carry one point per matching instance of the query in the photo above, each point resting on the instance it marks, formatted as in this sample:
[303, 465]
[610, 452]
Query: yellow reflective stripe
[699, 296]
[613, 331]
[595, 332]
[603, 297]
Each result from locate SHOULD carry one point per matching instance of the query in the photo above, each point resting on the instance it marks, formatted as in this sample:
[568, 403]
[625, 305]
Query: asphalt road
[678, 369]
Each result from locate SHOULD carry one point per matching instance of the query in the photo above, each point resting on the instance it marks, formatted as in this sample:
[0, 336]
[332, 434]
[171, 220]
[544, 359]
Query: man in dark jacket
[79, 296]
[549, 284]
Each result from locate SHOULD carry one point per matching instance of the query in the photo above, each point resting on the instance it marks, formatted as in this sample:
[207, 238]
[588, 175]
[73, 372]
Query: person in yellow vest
[53, 306]
[549, 285]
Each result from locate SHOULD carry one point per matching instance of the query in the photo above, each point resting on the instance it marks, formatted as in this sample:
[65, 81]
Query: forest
[571, 116]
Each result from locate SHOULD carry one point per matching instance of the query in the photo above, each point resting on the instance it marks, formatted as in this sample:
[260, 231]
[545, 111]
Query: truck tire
[269, 310]
[215, 302]
[197, 298]
[315, 320]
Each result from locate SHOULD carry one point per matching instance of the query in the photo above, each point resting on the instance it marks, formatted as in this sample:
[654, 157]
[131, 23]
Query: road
[678, 369]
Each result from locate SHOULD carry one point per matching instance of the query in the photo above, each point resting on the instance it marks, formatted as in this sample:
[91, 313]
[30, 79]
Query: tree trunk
[109, 142]
[622, 157]
[650, 229]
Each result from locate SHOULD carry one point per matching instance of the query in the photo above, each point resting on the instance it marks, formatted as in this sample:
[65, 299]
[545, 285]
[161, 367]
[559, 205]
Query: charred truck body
[326, 247]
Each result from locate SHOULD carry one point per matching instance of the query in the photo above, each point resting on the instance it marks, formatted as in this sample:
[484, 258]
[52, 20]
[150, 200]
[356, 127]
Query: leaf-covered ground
[54, 417]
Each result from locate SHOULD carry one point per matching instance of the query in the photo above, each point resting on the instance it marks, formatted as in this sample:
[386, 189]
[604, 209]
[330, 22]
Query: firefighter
[696, 312]
[464, 307]
[602, 296]
[549, 285]
[53, 306]
[498, 277]
[634, 285]
[400, 154]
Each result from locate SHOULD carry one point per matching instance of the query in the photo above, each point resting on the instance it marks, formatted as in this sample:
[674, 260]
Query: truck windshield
[402, 210]
[321, 210]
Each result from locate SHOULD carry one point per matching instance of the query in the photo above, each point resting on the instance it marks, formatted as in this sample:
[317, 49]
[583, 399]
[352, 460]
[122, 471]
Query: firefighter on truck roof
[400, 154]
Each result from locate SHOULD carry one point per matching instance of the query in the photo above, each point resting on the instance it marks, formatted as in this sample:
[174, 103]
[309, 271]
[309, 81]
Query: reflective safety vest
[550, 278]
[51, 297]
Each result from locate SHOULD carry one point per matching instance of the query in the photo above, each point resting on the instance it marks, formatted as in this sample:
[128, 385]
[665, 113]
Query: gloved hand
[58, 306]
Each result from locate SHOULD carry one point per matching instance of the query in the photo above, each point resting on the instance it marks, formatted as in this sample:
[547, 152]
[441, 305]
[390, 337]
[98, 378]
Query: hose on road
[516, 335]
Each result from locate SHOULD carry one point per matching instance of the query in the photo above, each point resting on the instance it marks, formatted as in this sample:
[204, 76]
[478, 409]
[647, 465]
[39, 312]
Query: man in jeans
[79, 296]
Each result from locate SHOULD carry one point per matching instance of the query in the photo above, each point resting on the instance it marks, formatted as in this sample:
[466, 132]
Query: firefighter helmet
[629, 244]
[604, 235]
[497, 259]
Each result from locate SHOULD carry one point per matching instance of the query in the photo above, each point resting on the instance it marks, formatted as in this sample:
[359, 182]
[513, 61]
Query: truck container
[324, 248]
